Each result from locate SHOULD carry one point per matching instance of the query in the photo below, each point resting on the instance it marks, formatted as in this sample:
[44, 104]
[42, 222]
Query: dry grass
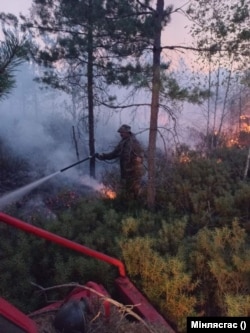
[122, 319]
[117, 322]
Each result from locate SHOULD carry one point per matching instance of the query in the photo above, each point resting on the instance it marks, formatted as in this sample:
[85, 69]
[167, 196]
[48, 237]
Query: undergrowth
[190, 256]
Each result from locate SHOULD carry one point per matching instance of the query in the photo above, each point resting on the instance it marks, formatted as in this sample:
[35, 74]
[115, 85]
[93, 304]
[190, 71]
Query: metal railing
[29, 228]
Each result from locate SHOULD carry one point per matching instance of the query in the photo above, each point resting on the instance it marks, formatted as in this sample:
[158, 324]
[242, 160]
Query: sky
[15, 6]
[175, 33]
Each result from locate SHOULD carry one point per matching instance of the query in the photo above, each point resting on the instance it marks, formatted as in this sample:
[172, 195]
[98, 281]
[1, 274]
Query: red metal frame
[12, 314]
[125, 287]
[131, 295]
[62, 241]
[77, 294]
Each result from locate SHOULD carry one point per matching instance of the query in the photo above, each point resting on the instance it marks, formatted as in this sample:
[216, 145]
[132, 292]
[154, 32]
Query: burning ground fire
[106, 192]
[99, 187]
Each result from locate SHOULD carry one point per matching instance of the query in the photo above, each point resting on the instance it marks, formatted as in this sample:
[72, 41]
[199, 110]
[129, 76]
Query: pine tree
[12, 54]
[90, 39]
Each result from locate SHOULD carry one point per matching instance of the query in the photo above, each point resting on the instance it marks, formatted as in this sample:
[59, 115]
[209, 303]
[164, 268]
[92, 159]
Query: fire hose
[74, 164]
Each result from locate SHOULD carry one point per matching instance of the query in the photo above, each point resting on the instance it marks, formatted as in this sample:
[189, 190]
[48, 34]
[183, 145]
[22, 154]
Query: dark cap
[124, 128]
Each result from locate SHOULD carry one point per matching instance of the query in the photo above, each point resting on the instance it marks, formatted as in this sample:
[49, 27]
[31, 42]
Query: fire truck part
[64, 242]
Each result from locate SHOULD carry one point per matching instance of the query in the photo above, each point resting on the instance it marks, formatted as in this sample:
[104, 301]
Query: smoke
[39, 123]
[37, 126]
[92, 183]
[34, 126]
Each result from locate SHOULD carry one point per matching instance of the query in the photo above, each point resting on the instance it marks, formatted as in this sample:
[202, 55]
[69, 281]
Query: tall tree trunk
[247, 165]
[91, 121]
[156, 85]
[209, 102]
[224, 111]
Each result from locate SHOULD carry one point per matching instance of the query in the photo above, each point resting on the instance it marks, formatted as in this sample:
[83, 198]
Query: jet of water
[17, 194]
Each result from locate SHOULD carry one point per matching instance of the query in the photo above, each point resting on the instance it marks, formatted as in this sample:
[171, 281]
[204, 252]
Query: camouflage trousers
[131, 186]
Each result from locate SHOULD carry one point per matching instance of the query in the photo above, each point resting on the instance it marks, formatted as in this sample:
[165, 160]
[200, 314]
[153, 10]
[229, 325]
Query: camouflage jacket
[130, 153]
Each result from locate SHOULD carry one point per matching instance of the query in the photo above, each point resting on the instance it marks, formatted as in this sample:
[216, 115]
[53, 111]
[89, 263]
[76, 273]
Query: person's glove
[99, 156]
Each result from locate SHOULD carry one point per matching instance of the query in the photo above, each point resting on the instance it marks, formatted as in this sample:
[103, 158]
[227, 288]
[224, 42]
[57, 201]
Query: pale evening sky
[15, 6]
[175, 31]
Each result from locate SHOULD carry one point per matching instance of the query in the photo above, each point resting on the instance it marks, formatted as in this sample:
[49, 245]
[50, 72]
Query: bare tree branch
[148, 7]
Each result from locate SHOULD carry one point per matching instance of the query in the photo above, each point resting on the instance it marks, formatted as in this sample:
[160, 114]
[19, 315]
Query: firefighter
[130, 153]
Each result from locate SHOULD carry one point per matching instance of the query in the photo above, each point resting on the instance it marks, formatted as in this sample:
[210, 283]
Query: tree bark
[91, 123]
[247, 165]
[75, 143]
[156, 85]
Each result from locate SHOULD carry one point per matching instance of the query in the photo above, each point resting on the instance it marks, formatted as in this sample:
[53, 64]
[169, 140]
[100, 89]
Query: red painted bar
[62, 241]
[131, 295]
[15, 318]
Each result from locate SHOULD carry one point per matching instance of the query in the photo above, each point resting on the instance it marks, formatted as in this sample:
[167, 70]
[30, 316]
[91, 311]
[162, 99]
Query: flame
[108, 193]
[99, 187]
[245, 123]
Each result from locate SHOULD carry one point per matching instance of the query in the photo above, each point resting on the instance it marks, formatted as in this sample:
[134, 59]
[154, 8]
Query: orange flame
[108, 193]
[102, 189]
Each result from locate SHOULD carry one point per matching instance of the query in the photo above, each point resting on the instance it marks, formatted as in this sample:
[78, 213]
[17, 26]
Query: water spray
[17, 194]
